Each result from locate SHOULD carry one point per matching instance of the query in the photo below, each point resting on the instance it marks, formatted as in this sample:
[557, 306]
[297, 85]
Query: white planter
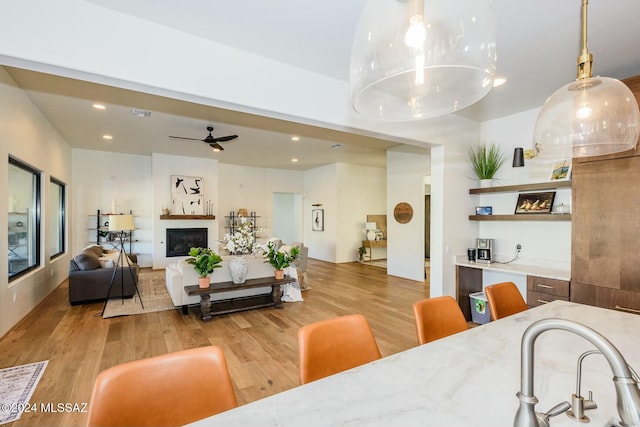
[238, 267]
[486, 183]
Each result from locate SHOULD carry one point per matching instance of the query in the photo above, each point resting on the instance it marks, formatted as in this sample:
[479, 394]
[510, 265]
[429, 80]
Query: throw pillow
[106, 262]
[87, 261]
[114, 257]
[96, 249]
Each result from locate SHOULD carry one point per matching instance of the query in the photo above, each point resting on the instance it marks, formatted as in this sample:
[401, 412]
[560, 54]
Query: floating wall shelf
[209, 217]
[523, 217]
[522, 187]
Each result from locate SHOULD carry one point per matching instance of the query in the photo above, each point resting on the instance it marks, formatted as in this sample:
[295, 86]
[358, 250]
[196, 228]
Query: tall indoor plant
[204, 261]
[280, 258]
[485, 161]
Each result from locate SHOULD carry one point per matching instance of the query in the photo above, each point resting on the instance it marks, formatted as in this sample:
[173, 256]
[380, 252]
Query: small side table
[373, 244]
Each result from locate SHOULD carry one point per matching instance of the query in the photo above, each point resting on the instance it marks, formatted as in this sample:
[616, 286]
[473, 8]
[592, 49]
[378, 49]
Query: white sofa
[182, 274]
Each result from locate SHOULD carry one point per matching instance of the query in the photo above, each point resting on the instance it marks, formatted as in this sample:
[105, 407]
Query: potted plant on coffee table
[280, 258]
[204, 260]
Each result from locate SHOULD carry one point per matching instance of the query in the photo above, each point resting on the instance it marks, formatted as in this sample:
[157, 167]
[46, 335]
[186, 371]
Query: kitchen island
[469, 379]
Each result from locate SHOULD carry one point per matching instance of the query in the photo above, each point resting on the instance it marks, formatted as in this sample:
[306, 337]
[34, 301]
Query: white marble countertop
[518, 268]
[469, 379]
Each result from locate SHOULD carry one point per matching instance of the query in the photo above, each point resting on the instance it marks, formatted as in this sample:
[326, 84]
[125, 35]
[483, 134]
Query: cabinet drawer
[543, 285]
[535, 299]
[616, 299]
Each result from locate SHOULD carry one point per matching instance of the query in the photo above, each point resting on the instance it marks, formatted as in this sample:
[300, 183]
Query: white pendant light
[415, 59]
[591, 116]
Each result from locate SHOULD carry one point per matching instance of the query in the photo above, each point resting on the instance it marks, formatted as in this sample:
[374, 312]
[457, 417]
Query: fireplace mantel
[206, 217]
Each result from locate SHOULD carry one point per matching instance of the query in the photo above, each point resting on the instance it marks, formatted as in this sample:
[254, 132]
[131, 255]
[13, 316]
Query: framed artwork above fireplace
[186, 195]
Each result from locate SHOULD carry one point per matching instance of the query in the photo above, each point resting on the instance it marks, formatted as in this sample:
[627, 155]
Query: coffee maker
[484, 250]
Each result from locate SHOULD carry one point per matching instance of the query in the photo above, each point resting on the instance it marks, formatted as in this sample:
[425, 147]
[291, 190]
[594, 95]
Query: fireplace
[180, 240]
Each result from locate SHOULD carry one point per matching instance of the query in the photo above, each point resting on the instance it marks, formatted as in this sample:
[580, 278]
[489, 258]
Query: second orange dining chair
[504, 299]
[335, 345]
[437, 318]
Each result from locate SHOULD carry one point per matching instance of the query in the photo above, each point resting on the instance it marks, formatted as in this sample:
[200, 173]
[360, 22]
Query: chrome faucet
[628, 395]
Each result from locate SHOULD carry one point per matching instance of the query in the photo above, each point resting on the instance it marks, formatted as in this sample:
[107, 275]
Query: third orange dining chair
[437, 318]
[504, 300]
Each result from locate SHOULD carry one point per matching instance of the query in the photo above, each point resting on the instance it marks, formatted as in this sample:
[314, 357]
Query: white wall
[252, 188]
[362, 191]
[405, 183]
[100, 177]
[26, 135]
[321, 186]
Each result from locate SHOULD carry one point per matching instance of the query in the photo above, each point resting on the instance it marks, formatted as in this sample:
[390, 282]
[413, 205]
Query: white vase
[239, 267]
[486, 183]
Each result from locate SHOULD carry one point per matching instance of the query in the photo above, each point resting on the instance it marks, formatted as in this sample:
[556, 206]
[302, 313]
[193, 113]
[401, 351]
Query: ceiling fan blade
[189, 139]
[225, 138]
[216, 146]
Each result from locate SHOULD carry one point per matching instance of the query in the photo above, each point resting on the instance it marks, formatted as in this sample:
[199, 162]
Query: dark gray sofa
[87, 284]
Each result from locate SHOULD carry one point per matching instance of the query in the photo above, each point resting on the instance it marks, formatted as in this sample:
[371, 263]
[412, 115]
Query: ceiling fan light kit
[415, 59]
[590, 116]
[213, 142]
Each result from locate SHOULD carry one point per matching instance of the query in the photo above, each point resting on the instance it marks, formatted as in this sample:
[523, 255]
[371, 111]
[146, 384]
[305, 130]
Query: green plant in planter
[361, 251]
[281, 258]
[204, 260]
[485, 160]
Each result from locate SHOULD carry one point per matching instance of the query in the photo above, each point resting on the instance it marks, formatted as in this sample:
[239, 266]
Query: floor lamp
[121, 224]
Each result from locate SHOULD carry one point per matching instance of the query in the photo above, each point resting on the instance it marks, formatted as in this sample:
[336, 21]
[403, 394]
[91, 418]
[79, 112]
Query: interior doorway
[287, 217]
[427, 226]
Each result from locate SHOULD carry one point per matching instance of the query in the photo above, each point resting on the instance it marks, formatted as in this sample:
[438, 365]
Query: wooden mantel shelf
[187, 217]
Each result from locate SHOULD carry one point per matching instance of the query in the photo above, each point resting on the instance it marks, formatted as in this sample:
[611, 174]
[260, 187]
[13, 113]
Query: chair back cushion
[335, 345]
[437, 318]
[172, 389]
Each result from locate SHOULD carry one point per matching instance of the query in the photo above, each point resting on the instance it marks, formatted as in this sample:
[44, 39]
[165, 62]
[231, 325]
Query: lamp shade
[587, 117]
[121, 223]
[415, 59]
[371, 226]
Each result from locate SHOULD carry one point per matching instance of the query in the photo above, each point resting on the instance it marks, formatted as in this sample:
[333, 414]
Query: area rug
[153, 291]
[17, 384]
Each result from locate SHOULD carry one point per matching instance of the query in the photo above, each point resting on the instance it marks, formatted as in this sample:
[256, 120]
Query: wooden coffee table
[209, 308]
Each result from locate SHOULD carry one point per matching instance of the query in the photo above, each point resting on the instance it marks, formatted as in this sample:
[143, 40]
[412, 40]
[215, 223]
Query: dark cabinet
[606, 230]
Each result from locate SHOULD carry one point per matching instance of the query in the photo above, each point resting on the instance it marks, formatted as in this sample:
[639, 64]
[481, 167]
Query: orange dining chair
[504, 300]
[172, 389]
[437, 318]
[335, 345]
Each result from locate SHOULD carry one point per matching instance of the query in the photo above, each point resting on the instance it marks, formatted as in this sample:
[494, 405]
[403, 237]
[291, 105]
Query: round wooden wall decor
[403, 212]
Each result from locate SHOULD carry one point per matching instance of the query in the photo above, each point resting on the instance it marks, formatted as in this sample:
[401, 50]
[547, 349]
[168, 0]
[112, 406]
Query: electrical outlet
[518, 247]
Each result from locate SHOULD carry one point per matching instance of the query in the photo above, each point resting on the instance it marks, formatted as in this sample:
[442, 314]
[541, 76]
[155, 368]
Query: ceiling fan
[213, 142]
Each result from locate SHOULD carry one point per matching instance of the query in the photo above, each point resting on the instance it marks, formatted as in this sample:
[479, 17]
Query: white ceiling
[538, 43]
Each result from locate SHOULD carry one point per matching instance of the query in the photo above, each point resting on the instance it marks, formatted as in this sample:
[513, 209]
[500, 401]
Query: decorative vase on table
[239, 267]
[279, 274]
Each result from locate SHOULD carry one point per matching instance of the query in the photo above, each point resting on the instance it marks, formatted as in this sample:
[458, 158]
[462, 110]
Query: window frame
[36, 204]
[61, 222]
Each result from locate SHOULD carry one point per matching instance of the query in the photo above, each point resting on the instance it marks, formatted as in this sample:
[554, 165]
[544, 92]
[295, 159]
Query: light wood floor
[260, 345]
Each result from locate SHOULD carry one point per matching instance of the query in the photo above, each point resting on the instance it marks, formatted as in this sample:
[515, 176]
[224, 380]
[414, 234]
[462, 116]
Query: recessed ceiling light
[107, 137]
[215, 150]
[295, 138]
[99, 107]
[294, 160]
[499, 81]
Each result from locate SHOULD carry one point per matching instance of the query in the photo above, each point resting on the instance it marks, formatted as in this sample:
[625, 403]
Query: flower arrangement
[281, 258]
[243, 240]
[204, 260]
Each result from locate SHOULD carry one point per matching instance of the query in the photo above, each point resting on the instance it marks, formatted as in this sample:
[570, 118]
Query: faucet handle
[543, 419]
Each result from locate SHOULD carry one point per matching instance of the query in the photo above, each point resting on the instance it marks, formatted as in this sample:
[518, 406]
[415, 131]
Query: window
[55, 218]
[24, 218]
